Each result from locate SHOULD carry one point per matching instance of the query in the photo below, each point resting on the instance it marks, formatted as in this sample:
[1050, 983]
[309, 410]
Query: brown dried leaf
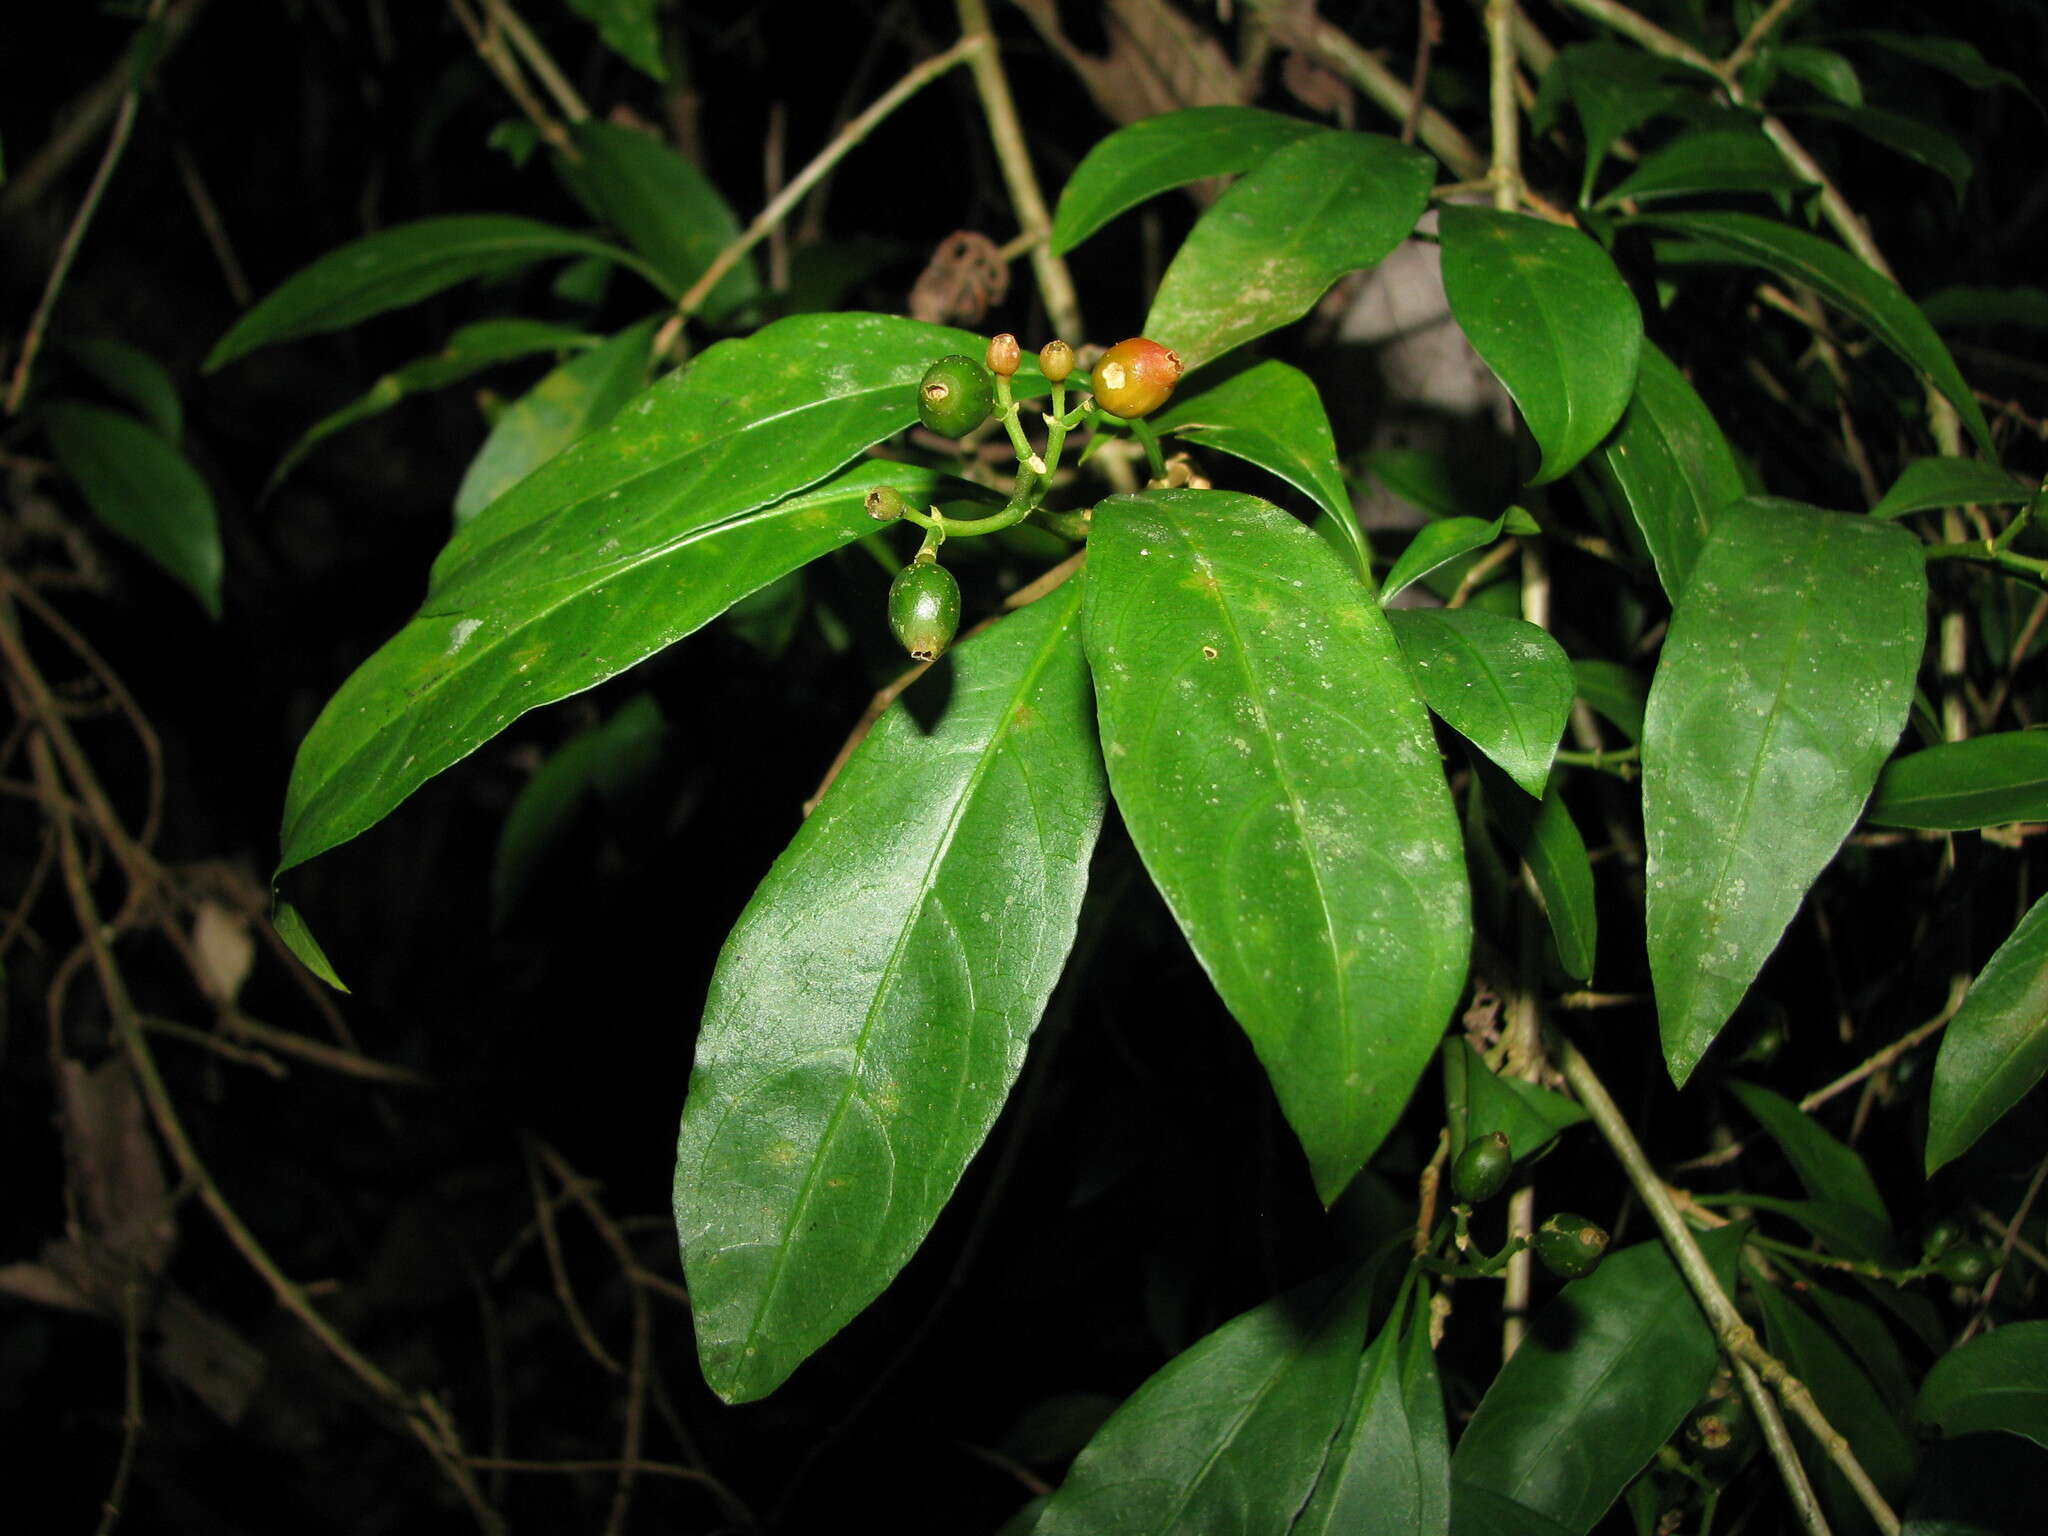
[118, 1194]
[1158, 60]
[965, 278]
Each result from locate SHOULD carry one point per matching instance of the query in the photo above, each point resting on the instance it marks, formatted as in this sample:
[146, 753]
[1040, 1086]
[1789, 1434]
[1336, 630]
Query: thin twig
[1429, 26]
[1641, 29]
[490, 47]
[844, 141]
[1736, 1335]
[212, 226]
[74, 237]
[1506, 168]
[2012, 1232]
[538, 60]
[558, 1269]
[132, 1299]
[1754, 38]
[1055, 282]
[1779, 1441]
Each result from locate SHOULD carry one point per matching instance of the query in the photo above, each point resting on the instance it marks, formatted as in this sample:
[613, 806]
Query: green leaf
[1613, 691]
[569, 403]
[637, 536]
[1782, 687]
[1438, 544]
[1672, 466]
[1231, 1434]
[1574, 1414]
[1986, 781]
[1501, 683]
[141, 487]
[1951, 55]
[469, 351]
[1840, 1229]
[1315, 209]
[872, 1006]
[1955, 307]
[1157, 154]
[1544, 306]
[291, 928]
[1440, 484]
[663, 206]
[1708, 160]
[1271, 415]
[396, 267]
[1848, 1400]
[1869, 1340]
[1530, 1116]
[1830, 1170]
[629, 28]
[1823, 69]
[1996, 1383]
[1614, 90]
[1908, 136]
[1996, 1047]
[600, 764]
[1928, 484]
[136, 377]
[1548, 841]
[1845, 283]
[1281, 783]
[1388, 1472]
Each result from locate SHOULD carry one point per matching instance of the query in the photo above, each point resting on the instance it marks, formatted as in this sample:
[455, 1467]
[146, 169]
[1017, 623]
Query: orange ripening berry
[1136, 377]
[1005, 357]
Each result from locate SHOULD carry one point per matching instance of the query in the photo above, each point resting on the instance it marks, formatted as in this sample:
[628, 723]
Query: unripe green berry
[1722, 1431]
[1939, 1237]
[1136, 377]
[924, 607]
[1005, 357]
[1966, 1264]
[1482, 1169]
[1570, 1246]
[955, 396]
[885, 503]
[1055, 361]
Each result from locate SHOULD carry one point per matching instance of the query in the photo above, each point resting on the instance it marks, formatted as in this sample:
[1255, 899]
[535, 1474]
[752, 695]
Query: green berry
[1570, 1246]
[924, 608]
[1722, 1431]
[1055, 361]
[1939, 1237]
[955, 396]
[885, 503]
[1482, 1169]
[1966, 1264]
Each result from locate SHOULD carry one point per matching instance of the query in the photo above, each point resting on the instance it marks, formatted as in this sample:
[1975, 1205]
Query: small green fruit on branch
[1571, 1247]
[955, 396]
[1482, 1169]
[924, 607]
[1056, 361]
[1136, 377]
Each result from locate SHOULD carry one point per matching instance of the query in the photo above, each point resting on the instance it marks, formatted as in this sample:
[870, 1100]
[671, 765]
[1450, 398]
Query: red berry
[1135, 377]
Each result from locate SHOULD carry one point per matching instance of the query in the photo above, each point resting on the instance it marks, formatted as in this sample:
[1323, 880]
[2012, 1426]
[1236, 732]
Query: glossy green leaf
[1280, 780]
[1546, 309]
[396, 267]
[1615, 692]
[136, 377]
[1840, 1228]
[1273, 244]
[1389, 1469]
[1482, 1512]
[1501, 683]
[600, 764]
[1849, 1401]
[1614, 90]
[1450, 538]
[1783, 684]
[1157, 154]
[1830, 1169]
[1573, 1416]
[1481, 1102]
[872, 1006]
[1271, 415]
[570, 402]
[144, 489]
[469, 351]
[1230, 1436]
[1708, 161]
[291, 929]
[1823, 69]
[1869, 1339]
[1672, 466]
[1996, 1383]
[1548, 841]
[1985, 781]
[1442, 484]
[1928, 484]
[630, 28]
[663, 206]
[1996, 1047]
[635, 537]
[1917, 141]
[1844, 282]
